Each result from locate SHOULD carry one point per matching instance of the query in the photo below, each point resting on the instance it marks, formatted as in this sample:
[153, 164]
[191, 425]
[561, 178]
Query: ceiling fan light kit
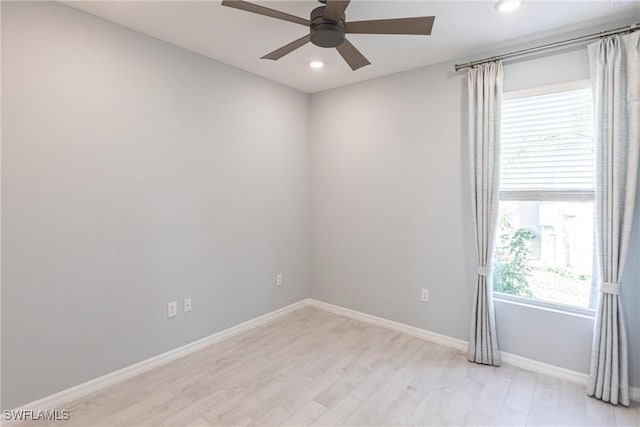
[328, 28]
[325, 32]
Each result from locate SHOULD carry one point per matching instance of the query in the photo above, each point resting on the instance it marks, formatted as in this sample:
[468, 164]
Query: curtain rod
[627, 29]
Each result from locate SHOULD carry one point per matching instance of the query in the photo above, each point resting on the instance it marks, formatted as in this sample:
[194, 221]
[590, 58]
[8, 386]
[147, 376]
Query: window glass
[544, 250]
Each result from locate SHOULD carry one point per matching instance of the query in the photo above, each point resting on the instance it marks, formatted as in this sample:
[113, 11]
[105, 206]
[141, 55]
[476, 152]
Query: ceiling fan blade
[279, 53]
[352, 56]
[420, 25]
[334, 9]
[261, 10]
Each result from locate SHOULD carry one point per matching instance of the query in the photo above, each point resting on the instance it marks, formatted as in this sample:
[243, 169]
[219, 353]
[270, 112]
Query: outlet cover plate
[424, 295]
[172, 309]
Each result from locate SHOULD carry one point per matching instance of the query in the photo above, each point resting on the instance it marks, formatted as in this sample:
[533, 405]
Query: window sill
[545, 305]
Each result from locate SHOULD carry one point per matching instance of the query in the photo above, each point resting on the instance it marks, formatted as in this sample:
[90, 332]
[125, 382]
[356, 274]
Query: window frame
[545, 305]
[570, 196]
[545, 90]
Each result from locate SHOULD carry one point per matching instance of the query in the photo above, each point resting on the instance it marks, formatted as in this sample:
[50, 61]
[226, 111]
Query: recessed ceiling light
[507, 5]
[316, 64]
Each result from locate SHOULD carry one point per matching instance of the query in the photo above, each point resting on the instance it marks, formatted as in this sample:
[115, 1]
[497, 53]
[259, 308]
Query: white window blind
[547, 144]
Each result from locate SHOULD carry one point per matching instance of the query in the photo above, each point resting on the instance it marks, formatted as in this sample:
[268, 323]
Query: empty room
[320, 213]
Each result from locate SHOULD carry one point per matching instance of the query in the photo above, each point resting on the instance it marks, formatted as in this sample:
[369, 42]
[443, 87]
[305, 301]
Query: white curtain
[615, 75]
[485, 105]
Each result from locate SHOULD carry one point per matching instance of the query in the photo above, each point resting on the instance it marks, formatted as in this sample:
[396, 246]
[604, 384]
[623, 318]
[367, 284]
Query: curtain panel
[485, 107]
[615, 77]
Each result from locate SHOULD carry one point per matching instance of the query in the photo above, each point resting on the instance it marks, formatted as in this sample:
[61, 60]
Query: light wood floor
[312, 367]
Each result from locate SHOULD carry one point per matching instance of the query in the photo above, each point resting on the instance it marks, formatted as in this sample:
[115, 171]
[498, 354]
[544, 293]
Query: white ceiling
[239, 38]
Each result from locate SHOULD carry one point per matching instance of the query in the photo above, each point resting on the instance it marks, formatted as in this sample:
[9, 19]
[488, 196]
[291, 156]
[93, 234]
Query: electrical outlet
[172, 309]
[279, 279]
[424, 295]
[187, 305]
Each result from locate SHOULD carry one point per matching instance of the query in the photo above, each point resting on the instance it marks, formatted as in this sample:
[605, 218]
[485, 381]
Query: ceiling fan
[328, 28]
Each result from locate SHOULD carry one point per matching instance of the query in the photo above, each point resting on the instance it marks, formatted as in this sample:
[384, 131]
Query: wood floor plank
[599, 413]
[544, 402]
[200, 422]
[572, 407]
[479, 420]
[429, 411]
[492, 395]
[512, 417]
[521, 390]
[541, 414]
[338, 413]
[312, 367]
[464, 399]
[190, 413]
[341, 388]
[277, 416]
[133, 414]
[376, 406]
[306, 415]
[434, 361]
[628, 417]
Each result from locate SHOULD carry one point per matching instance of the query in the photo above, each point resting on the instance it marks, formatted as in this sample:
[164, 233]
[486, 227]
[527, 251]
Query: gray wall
[390, 209]
[135, 173]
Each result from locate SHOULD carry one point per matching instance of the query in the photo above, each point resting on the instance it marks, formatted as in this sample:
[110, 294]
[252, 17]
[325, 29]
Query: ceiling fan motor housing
[326, 33]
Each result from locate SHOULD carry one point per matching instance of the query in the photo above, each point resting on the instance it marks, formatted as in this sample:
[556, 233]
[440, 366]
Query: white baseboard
[507, 358]
[544, 368]
[58, 399]
[390, 324]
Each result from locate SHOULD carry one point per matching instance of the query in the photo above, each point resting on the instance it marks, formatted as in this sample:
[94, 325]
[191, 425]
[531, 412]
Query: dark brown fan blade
[279, 53]
[261, 10]
[421, 25]
[334, 9]
[352, 56]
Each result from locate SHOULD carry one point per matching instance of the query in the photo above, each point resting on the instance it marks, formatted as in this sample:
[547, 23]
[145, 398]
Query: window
[544, 242]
